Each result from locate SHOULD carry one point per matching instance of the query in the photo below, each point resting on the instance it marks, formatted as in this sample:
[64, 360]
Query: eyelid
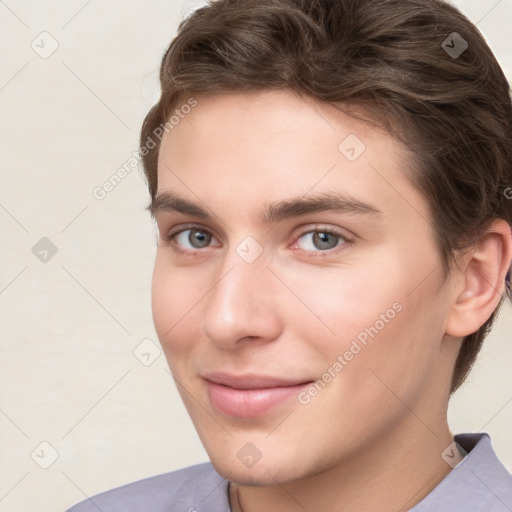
[323, 228]
[186, 226]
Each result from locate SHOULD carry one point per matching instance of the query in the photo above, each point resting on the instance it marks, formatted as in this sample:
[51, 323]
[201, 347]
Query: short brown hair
[392, 57]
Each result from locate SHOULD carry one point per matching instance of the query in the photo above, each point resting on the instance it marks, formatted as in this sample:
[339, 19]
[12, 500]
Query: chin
[275, 466]
[260, 475]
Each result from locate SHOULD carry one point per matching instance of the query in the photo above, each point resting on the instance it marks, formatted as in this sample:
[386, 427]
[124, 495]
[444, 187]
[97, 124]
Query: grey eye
[320, 240]
[194, 238]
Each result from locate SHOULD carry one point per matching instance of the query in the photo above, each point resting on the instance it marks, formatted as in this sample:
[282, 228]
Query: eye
[321, 240]
[193, 239]
[189, 240]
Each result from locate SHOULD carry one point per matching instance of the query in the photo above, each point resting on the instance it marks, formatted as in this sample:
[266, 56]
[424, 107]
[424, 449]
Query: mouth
[250, 396]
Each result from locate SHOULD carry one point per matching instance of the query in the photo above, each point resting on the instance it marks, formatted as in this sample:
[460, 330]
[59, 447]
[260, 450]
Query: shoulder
[190, 489]
[480, 482]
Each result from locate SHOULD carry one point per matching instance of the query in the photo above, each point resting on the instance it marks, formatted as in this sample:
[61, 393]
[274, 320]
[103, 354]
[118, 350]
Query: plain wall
[70, 325]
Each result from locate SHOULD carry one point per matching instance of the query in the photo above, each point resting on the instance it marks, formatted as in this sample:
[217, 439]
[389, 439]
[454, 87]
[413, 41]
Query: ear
[479, 291]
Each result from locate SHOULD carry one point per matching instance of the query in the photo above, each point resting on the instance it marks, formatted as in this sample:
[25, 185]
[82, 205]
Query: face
[292, 324]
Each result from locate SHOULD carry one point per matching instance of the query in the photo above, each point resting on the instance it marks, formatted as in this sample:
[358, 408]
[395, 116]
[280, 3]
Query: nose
[243, 306]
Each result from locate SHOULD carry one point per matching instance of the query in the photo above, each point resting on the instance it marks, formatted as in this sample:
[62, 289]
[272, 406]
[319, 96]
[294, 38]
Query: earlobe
[485, 268]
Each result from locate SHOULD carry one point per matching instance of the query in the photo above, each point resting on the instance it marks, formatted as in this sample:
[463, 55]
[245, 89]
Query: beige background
[69, 376]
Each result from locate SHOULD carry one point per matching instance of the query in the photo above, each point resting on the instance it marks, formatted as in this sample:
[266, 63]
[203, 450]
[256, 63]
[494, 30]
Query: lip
[250, 395]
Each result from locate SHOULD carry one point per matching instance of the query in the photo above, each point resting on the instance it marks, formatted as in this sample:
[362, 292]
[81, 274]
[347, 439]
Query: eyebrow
[274, 212]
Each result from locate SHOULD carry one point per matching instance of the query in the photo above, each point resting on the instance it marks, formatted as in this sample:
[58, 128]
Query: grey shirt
[480, 483]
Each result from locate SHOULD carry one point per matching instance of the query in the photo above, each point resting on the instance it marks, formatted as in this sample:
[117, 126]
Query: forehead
[265, 121]
[268, 146]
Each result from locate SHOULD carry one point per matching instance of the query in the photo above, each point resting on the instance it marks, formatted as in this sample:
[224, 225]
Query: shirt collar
[479, 483]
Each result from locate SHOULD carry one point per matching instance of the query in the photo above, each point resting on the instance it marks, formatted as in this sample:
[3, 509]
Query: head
[350, 165]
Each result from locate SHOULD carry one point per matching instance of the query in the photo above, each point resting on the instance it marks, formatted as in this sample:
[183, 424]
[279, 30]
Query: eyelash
[170, 241]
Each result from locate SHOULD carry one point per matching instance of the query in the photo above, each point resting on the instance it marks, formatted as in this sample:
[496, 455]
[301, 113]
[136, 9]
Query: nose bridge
[241, 303]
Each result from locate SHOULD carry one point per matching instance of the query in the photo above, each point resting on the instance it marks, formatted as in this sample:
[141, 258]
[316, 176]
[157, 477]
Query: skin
[380, 423]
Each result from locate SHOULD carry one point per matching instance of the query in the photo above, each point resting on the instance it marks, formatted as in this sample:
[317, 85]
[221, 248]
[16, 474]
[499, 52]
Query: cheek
[342, 303]
[372, 318]
[172, 303]
[399, 356]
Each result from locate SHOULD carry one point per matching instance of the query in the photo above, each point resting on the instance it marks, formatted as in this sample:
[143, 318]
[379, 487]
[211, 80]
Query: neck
[393, 473]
